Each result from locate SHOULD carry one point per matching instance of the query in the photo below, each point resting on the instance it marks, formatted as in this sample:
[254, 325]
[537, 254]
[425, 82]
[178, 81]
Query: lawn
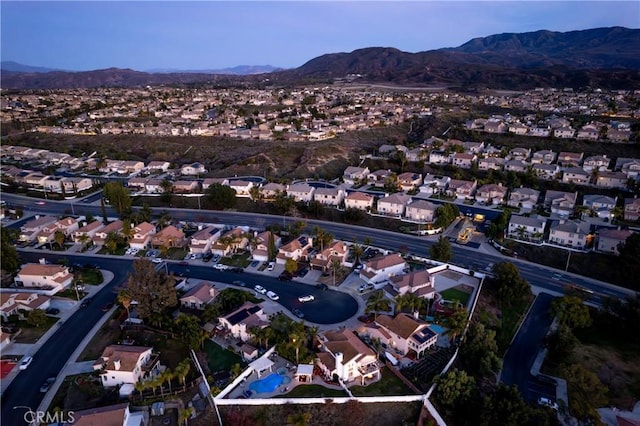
[312, 391]
[242, 260]
[110, 333]
[30, 334]
[71, 294]
[119, 251]
[389, 384]
[90, 276]
[176, 253]
[455, 294]
[220, 359]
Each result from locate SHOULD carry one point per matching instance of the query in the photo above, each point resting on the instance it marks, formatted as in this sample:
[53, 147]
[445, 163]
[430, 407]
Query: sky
[185, 35]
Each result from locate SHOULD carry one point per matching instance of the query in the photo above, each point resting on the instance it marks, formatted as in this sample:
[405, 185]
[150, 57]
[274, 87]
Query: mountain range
[600, 57]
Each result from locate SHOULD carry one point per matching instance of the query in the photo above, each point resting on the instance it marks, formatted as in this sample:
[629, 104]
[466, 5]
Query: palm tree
[456, 323]
[181, 371]
[377, 302]
[357, 250]
[298, 340]
[236, 370]
[410, 301]
[59, 237]
[124, 298]
[128, 231]
[312, 334]
[269, 333]
[367, 241]
[84, 239]
[258, 334]
[184, 415]
[335, 266]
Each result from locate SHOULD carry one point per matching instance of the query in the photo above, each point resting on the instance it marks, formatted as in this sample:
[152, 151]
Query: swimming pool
[269, 383]
[438, 329]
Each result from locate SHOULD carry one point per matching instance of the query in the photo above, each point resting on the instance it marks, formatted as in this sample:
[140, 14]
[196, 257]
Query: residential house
[185, 186]
[438, 156]
[199, 296]
[611, 180]
[206, 183]
[169, 237]
[601, 205]
[337, 250]
[518, 153]
[19, 303]
[355, 175]
[610, 240]
[36, 275]
[158, 166]
[124, 364]
[544, 156]
[87, 232]
[518, 128]
[112, 415]
[491, 163]
[36, 180]
[570, 159]
[382, 268]
[526, 228]
[359, 201]
[137, 183]
[297, 249]
[596, 162]
[464, 160]
[569, 234]
[525, 198]
[461, 189]
[203, 240]
[142, 235]
[473, 147]
[619, 135]
[491, 194]
[493, 126]
[30, 230]
[393, 205]
[575, 175]
[402, 333]
[154, 186]
[270, 190]
[540, 132]
[421, 283]
[560, 202]
[416, 154]
[239, 322]
[301, 192]
[230, 242]
[101, 234]
[589, 132]
[517, 166]
[122, 166]
[434, 184]
[193, 169]
[631, 209]
[630, 168]
[409, 181]
[68, 226]
[564, 132]
[345, 356]
[260, 248]
[420, 211]
[242, 187]
[329, 196]
[546, 171]
[379, 177]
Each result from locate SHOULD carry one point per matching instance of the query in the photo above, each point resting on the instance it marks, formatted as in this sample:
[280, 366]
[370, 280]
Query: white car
[25, 362]
[156, 260]
[220, 266]
[271, 295]
[307, 298]
[260, 289]
[271, 266]
[548, 403]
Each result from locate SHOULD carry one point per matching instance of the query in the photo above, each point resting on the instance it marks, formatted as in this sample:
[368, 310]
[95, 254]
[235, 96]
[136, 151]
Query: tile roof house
[242, 187]
[101, 234]
[329, 196]
[301, 192]
[596, 162]
[112, 415]
[439, 157]
[142, 234]
[201, 241]
[600, 204]
[193, 169]
[68, 225]
[631, 209]
[352, 174]
[491, 194]
[379, 177]
[519, 153]
[382, 268]
[359, 201]
[260, 248]
[546, 171]
[569, 234]
[338, 250]
[120, 364]
[271, 189]
[575, 175]
[461, 189]
[526, 228]
[518, 166]
[36, 275]
[213, 181]
[30, 230]
[185, 186]
[158, 166]
[345, 355]
[564, 132]
[14, 303]
[610, 240]
[463, 160]
[168, 237]
[409, 181]
[434, 184]
[628, 166]
[525, 198]
[393, 205]
[420, 283]
[230, 242]
[239, 322]
[402, 333]
[89, 230]
[611, 180]
[420, 211]
[544, 156]
[297, 249]
[491, 163]
[570, 159]
[199, 296]
[560, 202]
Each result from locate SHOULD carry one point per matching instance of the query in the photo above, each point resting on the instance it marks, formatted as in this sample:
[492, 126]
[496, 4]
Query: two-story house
[242, 187]
[631, 209]
[596, 162]
[185, 186]
[601, 205]
[491, 163]
[329, 196]
[199, 296]
[100, 236]
[203, 240]
[297, 249]
[355, 175]
[142, 235]
[169, 237]
[491, 194]
[239, 322]
[382, 268]
[67, 226]
[610, 240]
[301, 192]
[271, 190]
[421, 211]
[16, 303]
[546, 171]
[560, 202]
[421, 283]
[570, 159]
[461, 189]
[193, 169]
[378, 178]
[359, 201]
[526, 228]
[337, 250]
[260, 246]
[544, 156]
[434, 184]
[409, 181]
[518, 166]
[344, 355]
[87, 232]
[437, 156]
[30, 230]
[575, 175]
[214, 181]
[402, 333]
[123, 364]
[569, 234]
[524, 198]
[611, 180]
[230, 242]
[36, 275]
[464, 160]
[393, 205]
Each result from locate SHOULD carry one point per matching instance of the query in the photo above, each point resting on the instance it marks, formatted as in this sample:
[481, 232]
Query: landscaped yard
[455, 294]
[119, 251]
[220, 359]
[90, 276]
[109, 334]
[242, 260]
[389, 384]
[176, 253]
[30, 334]
[71, 294]
[312, 391]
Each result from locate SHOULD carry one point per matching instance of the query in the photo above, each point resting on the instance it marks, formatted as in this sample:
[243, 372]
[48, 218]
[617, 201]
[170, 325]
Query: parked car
[307, 298]
[285, 276]
[364, 287]
[106, 307]
[207, 257]
[322, 286]
[303, 272]
[271, 266]
[26, 361]
[240, 283]
[156, 260]
[47, 384]
[255, 264]
[297, 312]
[546, 402]
[260, 289]
[273, 296]
[52, 311]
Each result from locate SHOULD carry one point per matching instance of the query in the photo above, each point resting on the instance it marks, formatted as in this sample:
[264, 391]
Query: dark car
[255, 264]
[297, 312]
[237, 270]
[367, 319]
[207, 257]
[106, 307]
[52, 311]
[322, 287]
[303, 272]
[86, 302]
[47, 384]
[285, 276]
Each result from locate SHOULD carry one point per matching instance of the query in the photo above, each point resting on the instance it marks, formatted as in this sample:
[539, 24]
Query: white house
[142, 235]
[193, 169]
[525, 198]
[382, 268]
[526, 228]
[420, 211]
[569, 234]
[352, 175]
[344, 355]
[610, 240]
[393, 205]
[359, 201]
[297, 249]
[30, 230]
[560, 202]
[239, 322]
[242, 187]
[434, 184]
[199, 296]
[301, 192]
[202, 240]
[329, 196]
[402, 333]
[123, 364]
[260, 248]
[36, 275]
[491, 194]
[14, 303]
[600, 204]
[421, 283]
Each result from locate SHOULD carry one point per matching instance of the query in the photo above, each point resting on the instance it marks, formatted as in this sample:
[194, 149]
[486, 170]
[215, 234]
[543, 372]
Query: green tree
[377, 302]
[271, 247]
[409, 301]
[182, 370]
[190, 331]
[356, 250]
[480, 351]
[335, 266]
[571, 312]
[9, 258]
[153, 291]
[456, 323]
[445, 214]
[221, 197]
[59, 237]
[37, 318]
[124, 298]
[586, 393]
[561, 343]
[454, 389]
[511, 287]
[291, 266]
[441, 250]
[628, 260]
[105, 218]
[118, 197]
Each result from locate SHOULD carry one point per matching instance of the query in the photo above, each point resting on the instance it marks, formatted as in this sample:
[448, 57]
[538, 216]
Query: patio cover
[261, 364]
[305, 370]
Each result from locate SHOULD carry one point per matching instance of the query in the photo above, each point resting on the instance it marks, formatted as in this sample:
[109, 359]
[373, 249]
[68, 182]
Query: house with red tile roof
[12, 303]
[199, 296]
[121, 364]
[296, 249]
[36, 275]
[382, 268]
[402, 333]
[169, 237]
